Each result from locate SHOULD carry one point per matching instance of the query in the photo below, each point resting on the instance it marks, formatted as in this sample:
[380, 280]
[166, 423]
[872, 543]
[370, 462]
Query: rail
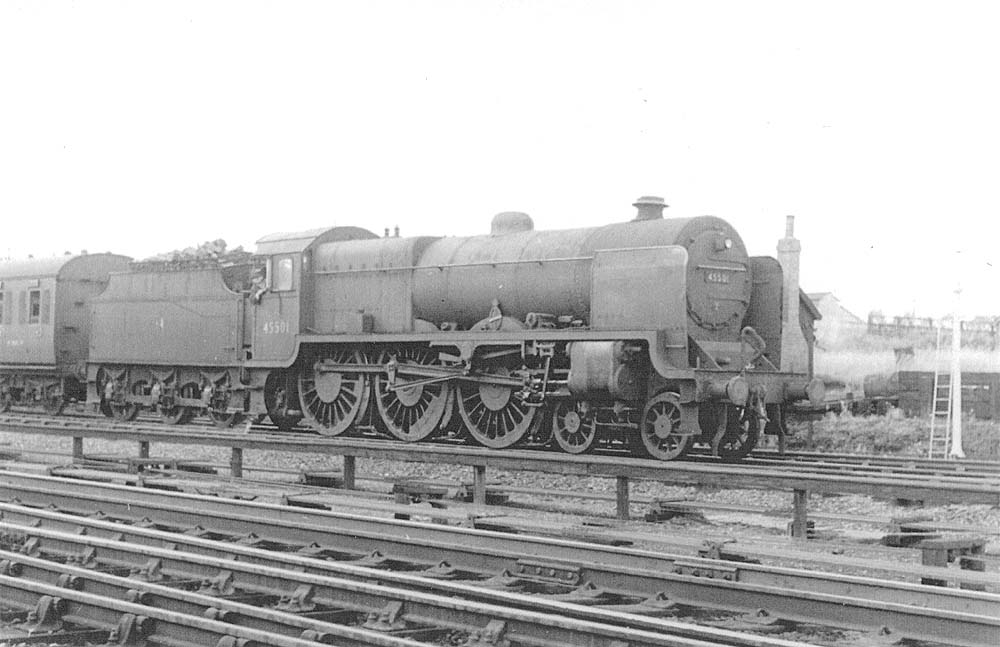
[938, 488]
[407, 554]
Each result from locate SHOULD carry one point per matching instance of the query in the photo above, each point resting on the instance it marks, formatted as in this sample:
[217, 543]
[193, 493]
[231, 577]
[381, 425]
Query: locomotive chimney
[649, 207]
[794, 349]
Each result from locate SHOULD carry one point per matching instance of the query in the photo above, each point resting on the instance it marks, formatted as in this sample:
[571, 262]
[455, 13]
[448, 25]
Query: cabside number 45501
[276, 327]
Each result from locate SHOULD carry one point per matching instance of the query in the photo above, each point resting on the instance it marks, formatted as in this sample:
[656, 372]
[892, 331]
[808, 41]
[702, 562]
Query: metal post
[934, 556]
[349, 471]
[800, 514]
[956, 379]
[479, 484]
[143, 449]
[236, 463]
[77, 447]
[972, 563]
[622, 503]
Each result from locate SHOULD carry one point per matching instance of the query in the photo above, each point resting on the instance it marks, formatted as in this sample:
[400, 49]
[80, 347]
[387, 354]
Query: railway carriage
[45, 325]
[647, 335]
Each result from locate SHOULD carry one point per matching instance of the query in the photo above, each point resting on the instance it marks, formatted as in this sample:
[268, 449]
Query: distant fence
[981, 332]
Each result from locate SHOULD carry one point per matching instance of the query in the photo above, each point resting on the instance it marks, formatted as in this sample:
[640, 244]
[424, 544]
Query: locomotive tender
[651, 334]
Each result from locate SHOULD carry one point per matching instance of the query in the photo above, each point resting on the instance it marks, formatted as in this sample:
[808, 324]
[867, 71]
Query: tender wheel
[332, 400]
[280, 394]
[658, 428]
[494, 414]
[410, 413]
[53, 402]
[180, 414]
[574, 432]
[742, 432]
[225, 420]
[126, 411]
[190, 391]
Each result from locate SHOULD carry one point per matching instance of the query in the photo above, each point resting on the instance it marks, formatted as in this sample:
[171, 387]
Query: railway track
[291, 608]
[762, 457]
[484, 565]
[261, 597]
[874, 463]
[293, 483]
[944, 473]
[812, 462]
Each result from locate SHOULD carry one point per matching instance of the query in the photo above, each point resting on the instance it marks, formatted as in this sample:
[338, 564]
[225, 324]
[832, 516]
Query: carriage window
[34, 306]
[1, 308]
[282, 274]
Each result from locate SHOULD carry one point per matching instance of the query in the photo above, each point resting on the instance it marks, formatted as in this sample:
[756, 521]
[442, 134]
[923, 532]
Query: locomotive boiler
[648, 335]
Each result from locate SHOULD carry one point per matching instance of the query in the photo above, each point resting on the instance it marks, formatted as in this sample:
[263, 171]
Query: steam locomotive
[648, 336]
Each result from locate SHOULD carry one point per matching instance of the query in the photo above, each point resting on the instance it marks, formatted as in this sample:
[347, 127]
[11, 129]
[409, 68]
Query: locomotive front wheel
[659, 427]
[494, 414]
[332, 400]
[574, 432]
[410, 413]
[742, 432]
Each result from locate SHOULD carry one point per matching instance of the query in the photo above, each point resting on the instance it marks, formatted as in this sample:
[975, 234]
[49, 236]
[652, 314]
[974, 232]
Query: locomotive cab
[284, 306]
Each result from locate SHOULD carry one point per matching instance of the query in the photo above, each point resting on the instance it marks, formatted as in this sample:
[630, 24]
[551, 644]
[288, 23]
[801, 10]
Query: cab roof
[288, 243]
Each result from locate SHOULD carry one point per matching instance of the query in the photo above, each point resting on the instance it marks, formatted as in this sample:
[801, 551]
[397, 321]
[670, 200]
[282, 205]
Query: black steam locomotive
[652, 335]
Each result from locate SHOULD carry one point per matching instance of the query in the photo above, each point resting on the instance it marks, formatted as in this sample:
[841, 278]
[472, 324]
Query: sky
[141, 127]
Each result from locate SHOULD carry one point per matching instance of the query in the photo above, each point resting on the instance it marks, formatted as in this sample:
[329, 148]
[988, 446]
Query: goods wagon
[913, 392]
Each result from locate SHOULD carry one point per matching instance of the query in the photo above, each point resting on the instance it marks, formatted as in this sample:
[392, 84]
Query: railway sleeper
[393, 618]
[167, 617]
[44, 624]
[757, 621]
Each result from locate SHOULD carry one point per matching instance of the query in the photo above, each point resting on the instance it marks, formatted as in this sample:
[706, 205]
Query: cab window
[34, 306]
[283, 271]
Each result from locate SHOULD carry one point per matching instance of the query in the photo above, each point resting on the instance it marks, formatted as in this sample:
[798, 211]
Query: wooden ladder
[939, 444]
